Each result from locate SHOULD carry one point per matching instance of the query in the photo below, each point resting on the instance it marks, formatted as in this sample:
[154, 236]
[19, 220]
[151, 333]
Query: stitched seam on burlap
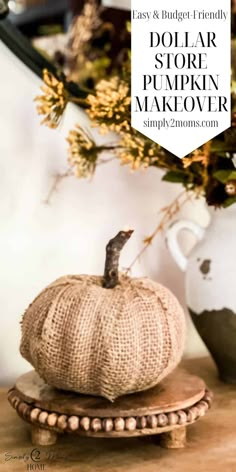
[44, 339]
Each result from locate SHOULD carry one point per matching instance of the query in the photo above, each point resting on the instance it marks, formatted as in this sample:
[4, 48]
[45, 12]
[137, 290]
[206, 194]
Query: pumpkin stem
[113, 249]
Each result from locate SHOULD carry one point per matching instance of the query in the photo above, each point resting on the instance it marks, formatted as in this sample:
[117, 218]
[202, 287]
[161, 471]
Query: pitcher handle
[172, 240]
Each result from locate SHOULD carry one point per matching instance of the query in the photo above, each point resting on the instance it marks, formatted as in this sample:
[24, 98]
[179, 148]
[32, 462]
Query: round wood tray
[178, 401]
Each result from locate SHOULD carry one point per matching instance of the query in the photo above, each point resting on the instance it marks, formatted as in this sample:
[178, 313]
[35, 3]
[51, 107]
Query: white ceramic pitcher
[211, 284]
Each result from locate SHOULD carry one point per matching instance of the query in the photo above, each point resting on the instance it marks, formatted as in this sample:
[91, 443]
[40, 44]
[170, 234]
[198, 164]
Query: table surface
[211, 443]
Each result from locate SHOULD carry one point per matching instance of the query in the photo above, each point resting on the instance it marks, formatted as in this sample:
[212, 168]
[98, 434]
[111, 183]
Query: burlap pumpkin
[83, 337]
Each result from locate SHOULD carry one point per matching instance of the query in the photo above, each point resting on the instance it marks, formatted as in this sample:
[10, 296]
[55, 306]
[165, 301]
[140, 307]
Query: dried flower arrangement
[209, 171]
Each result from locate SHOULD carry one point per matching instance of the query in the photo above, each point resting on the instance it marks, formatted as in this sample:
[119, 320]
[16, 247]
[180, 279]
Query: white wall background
[40, 242]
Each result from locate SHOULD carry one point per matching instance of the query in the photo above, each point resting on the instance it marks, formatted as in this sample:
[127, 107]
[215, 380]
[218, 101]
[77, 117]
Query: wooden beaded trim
[63, 423]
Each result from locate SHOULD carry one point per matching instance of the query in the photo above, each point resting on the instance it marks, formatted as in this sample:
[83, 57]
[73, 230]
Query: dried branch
[168, 213]
[57, 180]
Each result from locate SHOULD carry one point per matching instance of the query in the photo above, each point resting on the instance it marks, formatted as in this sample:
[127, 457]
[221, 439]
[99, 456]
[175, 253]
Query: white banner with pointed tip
[120, 4]
[181, 71]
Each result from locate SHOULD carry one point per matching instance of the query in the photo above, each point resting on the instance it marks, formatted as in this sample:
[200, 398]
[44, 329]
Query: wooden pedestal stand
[165, 410]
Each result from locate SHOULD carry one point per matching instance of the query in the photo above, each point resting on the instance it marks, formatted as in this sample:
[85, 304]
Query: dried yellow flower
[137, 151]
[110, 106]
[53, 101]
[196, 156]
[83, 152]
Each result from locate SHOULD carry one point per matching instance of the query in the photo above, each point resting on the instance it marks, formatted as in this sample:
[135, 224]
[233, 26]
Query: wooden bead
[202, 408]
[62, 422]
[152, 421]
[52, 419]
[10, 393]
[85, 423]
[141, 422]
[34, 414]
[23, 409]
[43, 416]
[204, 404]
[172, 418]
[194, 412]
[107, 424]
[162, 419]
[15, 402]
[96, 425]
[19, 406]
[190, 416]
[209, 394]
[201, 411]
[208, 398]
[130, 424]
[11, 396]
[73, 423]
[119, 424]
[182, 417]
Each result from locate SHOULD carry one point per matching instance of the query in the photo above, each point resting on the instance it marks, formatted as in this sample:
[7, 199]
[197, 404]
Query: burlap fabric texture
[109, 342]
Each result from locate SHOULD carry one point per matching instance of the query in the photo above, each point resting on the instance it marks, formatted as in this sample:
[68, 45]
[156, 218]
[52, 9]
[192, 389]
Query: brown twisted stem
[113, 249]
